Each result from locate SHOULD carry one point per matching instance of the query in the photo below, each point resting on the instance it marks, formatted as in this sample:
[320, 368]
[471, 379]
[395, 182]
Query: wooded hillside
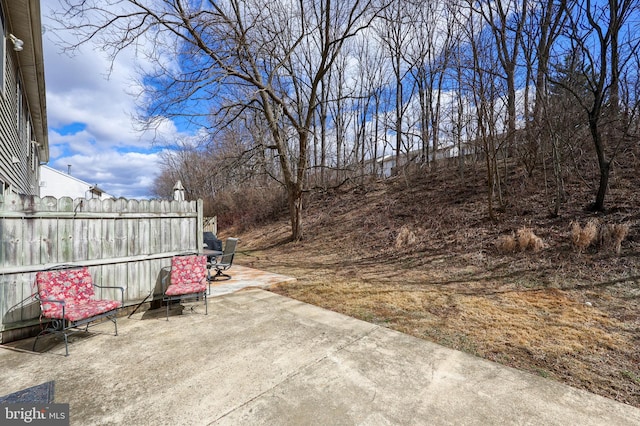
[419, 254]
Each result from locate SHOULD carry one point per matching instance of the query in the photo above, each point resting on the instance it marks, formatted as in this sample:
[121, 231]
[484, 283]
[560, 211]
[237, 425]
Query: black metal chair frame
[67, 327]
[224, 262]
[169, 298]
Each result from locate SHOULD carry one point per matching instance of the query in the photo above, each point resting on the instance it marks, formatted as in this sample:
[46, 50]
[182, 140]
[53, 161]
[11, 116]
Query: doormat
[38, 394]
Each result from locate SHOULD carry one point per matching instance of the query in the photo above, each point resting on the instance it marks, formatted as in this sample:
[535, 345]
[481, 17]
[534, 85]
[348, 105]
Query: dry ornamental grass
[524, 240]
[527, 240]
[605, 235]
[406, 237]
[584, 237]
[506, 244]
[612, 235]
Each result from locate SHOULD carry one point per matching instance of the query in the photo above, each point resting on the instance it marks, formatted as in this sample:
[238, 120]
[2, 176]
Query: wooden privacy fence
[210, 224]
[123, 242]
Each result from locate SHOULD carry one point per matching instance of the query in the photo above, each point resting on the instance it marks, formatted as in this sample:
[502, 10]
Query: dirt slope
[417, 253]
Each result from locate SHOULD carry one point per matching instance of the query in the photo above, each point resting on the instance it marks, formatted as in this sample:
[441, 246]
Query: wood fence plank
[96, 233]
[11, 233]
[80, 239]
[7, 295]
[31, 232]
[121, 237]
[64, 232]
[109, 238]
[48, 231]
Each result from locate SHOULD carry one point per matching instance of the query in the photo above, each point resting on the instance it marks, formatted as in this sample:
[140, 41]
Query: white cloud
[90, 111]
[128, 174]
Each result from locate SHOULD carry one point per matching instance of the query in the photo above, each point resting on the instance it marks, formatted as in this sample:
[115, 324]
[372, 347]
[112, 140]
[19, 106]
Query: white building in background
[58, 184]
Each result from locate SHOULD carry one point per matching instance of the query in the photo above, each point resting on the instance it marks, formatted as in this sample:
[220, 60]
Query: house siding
[19, 157]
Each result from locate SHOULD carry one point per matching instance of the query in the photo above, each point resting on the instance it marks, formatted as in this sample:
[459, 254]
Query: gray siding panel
[15, 134]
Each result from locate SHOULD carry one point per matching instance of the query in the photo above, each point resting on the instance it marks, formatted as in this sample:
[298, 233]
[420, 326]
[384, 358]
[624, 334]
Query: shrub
[248, 206]
[527, 240]
[524, 239]
[612, 235]
[405, 237]
[584, 237]
[506, 244]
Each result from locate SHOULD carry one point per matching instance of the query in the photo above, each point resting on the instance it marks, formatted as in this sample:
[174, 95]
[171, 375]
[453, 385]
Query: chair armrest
[225, 259]
[62, 302]
[114, 287]
[165, 277]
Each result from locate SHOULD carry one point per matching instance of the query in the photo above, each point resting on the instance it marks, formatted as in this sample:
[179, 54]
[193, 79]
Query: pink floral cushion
[75, 288]
[188, 275]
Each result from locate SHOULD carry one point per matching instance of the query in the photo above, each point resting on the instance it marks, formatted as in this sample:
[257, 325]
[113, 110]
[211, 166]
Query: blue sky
[90, 119]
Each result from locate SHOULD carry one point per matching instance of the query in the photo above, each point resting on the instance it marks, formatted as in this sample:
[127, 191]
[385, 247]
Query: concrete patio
[263, 359]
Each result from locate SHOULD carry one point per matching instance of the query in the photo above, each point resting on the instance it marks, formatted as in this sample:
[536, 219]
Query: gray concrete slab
[243, 277]
[262, 359]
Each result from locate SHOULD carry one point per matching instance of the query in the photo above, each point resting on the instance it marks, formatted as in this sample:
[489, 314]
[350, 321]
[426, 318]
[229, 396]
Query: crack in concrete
[297, 372]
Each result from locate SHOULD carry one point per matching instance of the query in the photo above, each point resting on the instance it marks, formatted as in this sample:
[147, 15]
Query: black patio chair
[212, 242]
[223, 263]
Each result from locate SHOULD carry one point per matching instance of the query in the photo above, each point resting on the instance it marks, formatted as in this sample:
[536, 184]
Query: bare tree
[605, 41]
[543, 23]
[394, 32]
[429, 54]
[340, 92]
[506, 21]
[485, 87]
[372, 78]
[270, 56]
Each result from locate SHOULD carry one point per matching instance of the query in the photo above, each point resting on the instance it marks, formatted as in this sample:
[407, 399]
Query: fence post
[200, 225]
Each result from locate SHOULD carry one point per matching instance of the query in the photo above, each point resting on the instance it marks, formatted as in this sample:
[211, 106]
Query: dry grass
[524, 240]
[405, 238]
[602, 235]
[547, 331]
[527, 240]
[612, 235]
[583, 237]
[507, 244]
[571, 318]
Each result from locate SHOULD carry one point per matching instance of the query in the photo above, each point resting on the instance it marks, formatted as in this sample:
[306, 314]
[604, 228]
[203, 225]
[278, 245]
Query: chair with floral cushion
[67, 300]
[188, 280]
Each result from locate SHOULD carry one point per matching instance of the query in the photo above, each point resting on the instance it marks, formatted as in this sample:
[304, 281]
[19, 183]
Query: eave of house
[25, 23]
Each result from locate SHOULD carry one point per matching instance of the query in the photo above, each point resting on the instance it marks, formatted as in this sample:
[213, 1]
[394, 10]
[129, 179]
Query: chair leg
[66, 344]
[219, 273]
[66, 340]
[33, 349]
[56, 326]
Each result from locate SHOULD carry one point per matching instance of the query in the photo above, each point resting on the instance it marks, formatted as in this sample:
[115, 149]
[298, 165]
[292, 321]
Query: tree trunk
[294, 194]
[604, 165]
[557, 172]
[398, 123]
